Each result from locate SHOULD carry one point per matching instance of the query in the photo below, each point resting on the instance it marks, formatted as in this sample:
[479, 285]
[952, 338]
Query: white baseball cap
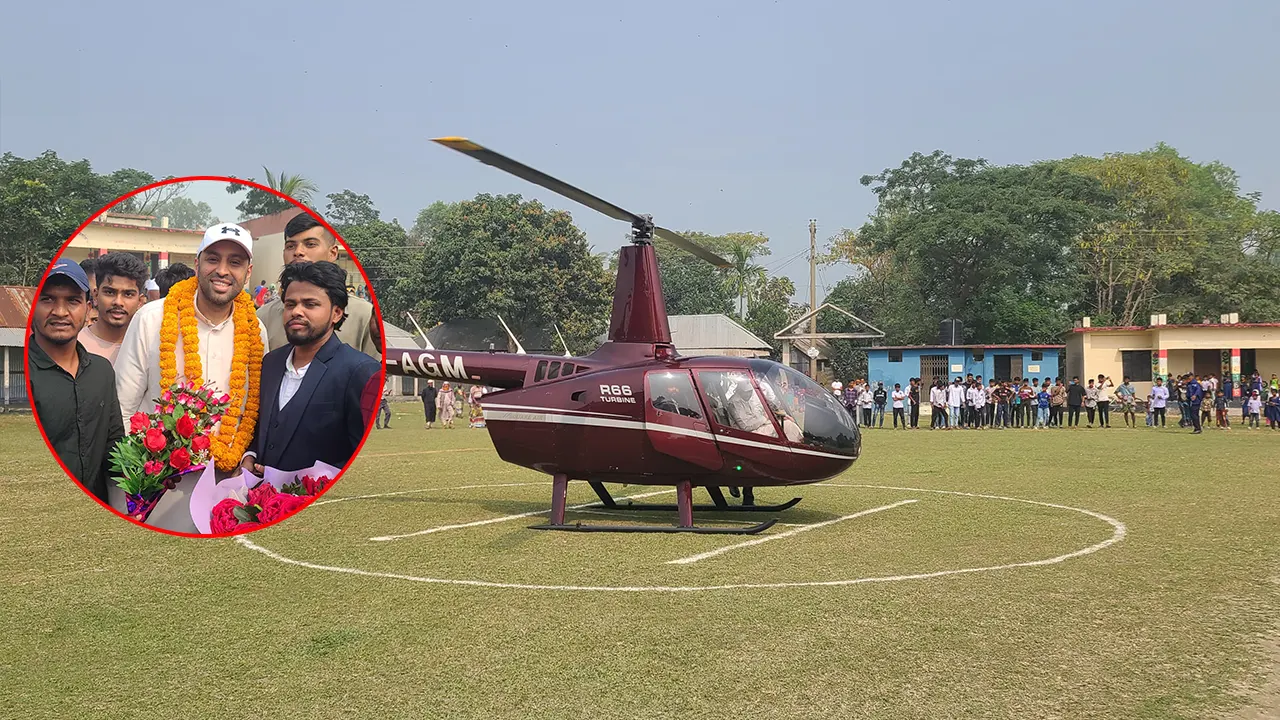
[227, 231]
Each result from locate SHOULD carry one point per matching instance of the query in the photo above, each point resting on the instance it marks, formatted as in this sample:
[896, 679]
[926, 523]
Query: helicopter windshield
[819, 419]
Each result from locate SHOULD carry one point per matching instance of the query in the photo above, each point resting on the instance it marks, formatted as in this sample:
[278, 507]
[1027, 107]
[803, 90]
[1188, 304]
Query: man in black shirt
[1075, 398]
[913, 395]
[428, 395]
[73, 391]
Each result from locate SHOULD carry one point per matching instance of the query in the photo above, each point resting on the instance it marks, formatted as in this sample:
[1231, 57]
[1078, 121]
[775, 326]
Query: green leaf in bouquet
[246, 514]
[170, 422]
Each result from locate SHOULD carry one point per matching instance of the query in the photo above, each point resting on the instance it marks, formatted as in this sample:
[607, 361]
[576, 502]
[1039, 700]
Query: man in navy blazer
[313, 390]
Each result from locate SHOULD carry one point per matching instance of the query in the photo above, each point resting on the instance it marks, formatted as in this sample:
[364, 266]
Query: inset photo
[202, 375]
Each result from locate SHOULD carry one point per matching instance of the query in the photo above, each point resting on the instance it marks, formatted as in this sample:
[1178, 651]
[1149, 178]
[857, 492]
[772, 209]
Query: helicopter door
[742, 421]
[675, 420]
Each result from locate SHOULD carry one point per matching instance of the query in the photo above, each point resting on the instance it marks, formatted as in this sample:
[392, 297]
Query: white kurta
[137, 368]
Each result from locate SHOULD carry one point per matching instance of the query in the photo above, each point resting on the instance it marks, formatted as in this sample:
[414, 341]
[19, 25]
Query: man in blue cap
[73, 391]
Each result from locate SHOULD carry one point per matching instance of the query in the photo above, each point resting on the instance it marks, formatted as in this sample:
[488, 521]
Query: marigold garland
[236, 430]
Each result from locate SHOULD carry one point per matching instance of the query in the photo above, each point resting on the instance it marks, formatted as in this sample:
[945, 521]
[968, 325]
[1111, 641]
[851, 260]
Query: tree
[185, 213]
[258, 203]
[773, 310]
[1173, 221]
[690, 285]
[347, 209]
[499, 255]
[380, 247]
[42, 201]
[988, 245]
[744, 276]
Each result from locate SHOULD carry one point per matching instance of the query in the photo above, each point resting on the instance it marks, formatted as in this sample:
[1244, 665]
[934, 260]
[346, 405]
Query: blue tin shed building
[899, 364]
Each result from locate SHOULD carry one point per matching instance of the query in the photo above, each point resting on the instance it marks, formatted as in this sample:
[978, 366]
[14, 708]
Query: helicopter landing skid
[717, 498]
[684, 506]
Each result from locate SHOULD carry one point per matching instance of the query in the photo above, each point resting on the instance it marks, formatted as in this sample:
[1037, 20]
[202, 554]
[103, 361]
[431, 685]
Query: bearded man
[204, 331]
[306, 240]
[315, 404]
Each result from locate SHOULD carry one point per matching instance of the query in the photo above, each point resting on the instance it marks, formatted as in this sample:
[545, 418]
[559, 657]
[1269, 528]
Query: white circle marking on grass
[1118, 533]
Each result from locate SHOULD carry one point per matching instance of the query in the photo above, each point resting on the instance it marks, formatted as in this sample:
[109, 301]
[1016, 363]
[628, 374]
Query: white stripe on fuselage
[524, 413]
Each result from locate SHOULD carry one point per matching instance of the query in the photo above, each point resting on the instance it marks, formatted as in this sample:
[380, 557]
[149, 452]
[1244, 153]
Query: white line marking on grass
[504, 518]
[779, 536]
[424, 490]
[1119, 532]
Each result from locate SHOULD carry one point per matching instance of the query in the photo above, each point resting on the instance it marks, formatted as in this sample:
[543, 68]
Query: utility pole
[813, 295]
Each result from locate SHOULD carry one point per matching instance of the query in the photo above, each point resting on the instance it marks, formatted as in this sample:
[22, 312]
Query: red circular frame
[172, 181]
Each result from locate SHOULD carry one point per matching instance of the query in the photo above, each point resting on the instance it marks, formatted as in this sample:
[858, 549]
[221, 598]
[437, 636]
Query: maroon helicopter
[635, 411]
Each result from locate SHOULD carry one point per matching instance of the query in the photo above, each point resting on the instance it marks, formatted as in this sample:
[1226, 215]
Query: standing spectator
[428, 395]
[1003, 396]
[913, 397]
[1195, 398]
[1253, 406]
[385, 407]
[1273, 410]
[1091, 400]
[865, 402]
[1075, 399]
[851, 401]
[1057, 402]
[1159, 401]
[1042, 406]
[955, 401]
[1105, 388]
[880, 397]
[1127, 395]
[899, 397]
[1027, 393]
[938, 406]
[260, 295]
[1220, 406]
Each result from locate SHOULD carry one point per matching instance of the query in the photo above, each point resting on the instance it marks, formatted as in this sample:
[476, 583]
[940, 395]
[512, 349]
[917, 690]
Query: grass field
[1178, 619]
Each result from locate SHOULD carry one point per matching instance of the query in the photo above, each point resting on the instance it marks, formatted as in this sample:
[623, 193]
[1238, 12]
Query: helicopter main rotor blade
[537, 177]
[690, 246]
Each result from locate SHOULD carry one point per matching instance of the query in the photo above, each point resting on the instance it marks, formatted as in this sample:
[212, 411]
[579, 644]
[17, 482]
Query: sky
[711, 116]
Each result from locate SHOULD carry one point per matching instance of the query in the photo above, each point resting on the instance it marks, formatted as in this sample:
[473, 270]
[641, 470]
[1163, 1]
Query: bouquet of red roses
[265, 504]
[164, 445]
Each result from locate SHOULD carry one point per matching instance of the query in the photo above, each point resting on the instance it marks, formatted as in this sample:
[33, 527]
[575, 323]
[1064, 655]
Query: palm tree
[295, 186]
[744, 276]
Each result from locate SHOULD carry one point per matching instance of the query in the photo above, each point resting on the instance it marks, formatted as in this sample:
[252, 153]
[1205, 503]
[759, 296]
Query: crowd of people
[301, 369]
[442, 405]
[968, 402]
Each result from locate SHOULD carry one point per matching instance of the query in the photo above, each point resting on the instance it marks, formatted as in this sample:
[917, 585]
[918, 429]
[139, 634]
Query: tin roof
[967, 347]
[712, 332]
[15, 305]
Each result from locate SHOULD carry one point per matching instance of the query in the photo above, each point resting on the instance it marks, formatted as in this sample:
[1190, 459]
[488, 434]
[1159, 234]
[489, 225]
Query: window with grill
[1136, 364]
[895, 356]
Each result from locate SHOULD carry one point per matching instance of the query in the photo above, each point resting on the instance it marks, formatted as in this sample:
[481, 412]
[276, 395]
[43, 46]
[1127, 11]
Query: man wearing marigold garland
[315, 404]
[205, 331]
[306, 240]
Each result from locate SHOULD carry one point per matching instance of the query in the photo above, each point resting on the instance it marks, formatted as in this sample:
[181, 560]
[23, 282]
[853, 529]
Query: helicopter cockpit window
[809, 413]
[735, 403]
[673, 392]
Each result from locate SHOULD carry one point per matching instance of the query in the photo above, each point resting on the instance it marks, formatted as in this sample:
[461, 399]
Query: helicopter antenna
[420, 330]
[562, 342]
[519, 347]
